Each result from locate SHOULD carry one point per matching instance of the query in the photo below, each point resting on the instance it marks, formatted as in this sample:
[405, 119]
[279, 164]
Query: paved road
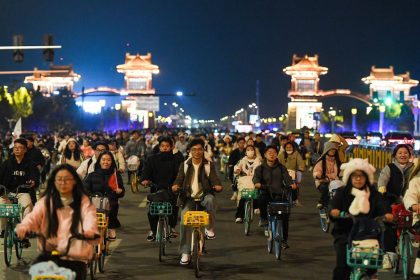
[230, 256]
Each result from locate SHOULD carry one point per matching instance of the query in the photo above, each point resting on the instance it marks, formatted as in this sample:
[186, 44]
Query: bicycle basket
[49, 277]
[102, 220]
[250, 193]
[133, 163]
[363, 257]
[278, 208]
[196, 218]
[10, 210]
[160, 208]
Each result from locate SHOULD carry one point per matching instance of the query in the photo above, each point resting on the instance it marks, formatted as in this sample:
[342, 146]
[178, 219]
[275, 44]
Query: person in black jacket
[359, 198]
[18, 170]
[107, 181]
[161, 170]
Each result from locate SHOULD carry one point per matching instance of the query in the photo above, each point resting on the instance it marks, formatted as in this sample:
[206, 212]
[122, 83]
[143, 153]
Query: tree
[22, 103]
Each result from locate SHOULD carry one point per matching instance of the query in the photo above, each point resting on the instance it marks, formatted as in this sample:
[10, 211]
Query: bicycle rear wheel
[324, 220]
[8, 244]
[160, 238]
[18, 248]
[406, 256]
[196, 253]
[270, 237]
[248, 216]
[278, 237]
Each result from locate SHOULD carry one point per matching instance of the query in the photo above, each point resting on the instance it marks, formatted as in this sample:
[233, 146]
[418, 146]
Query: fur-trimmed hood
[358, 164]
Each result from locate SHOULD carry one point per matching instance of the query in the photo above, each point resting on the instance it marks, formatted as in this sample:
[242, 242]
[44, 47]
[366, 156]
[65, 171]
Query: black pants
[80, 268]
[113, 214]
[240, 210]
[323, 189]
[390, 238]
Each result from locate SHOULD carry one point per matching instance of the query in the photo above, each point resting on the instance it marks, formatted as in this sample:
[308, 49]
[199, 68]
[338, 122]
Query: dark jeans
[80, 268]
[323, 189]
[113, 214]
[390, 238]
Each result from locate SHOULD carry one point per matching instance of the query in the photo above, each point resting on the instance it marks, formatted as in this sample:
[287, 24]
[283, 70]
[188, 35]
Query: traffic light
[48, 53]
[18, 54]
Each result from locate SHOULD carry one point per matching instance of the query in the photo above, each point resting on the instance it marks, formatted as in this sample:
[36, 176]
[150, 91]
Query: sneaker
[238, 220]
[319, 206]
[112, 234]
[2, 234]
[257, 211]
[387, 263]
[284, 245]
[266, 233]
[416, 270]
[263, 223]
[185, 259]
[234, 196]
[210, 234]
[297, 203]
[150, 236]
[26, 243]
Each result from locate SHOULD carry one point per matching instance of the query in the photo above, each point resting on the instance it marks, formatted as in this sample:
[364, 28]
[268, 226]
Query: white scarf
[360, 203]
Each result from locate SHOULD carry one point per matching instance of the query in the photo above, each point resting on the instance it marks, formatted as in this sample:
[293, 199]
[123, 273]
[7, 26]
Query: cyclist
[88, 165]
[247, 166]
[17, 170]
[64, 210]
[106, 180]
[72, 154]
[118, 155]
[198, 179]
[235, 156]
[341, 145]
[272, 177]
[360, 199]
[392, 183]
[412, 202]
[135, 147]
[161, 170]
[326, 169]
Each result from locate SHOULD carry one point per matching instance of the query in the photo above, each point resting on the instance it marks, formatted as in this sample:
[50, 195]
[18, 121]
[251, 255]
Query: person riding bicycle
[88, 165]
[246, 166]
[326, 169]
[105, 179]
[392, 183]
[18, 170]
[197, 179]
[274, 180]
[359, 198]
[412, 203]
[64, 210]
[161, 170]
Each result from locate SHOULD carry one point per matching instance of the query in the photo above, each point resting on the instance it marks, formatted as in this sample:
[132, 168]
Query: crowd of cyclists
[64, 169]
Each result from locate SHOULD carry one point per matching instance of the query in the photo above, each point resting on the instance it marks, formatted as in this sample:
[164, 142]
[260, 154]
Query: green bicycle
[13, 213]
[249, 195]
[163, 232]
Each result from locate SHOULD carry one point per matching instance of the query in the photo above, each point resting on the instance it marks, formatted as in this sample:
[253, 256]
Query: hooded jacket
[274, 179]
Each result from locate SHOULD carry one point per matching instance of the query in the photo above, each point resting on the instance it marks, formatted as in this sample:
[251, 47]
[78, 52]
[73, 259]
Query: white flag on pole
[18, 128]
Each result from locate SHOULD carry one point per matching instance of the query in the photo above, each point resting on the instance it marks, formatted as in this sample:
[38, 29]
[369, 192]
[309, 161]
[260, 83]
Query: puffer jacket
[97, 182]
[412, 195]
[37, 222]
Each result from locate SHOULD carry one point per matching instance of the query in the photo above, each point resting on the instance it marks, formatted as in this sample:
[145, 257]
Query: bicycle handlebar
[5, 191]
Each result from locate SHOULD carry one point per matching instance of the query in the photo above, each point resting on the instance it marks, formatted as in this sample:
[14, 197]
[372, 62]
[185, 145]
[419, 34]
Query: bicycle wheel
[104, 253]
[270, 237]
[160, 237]
[133, 182]
[196, 253]
[324, 220]
[278, 237]
[18, 248]
[406, 256]
[8, 244]
[396, 263]
[247, 216]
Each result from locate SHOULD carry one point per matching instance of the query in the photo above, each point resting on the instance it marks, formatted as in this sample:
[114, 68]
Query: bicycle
[13, 212]
[163, 231]
[197, 220]
[249, 195]
[103, 207]
[55, 256]
[276, 211]
[133, 164]
[404, 222]
[323, 212]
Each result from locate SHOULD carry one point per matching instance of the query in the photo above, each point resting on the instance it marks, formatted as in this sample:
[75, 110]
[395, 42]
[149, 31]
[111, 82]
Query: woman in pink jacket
[63, 211]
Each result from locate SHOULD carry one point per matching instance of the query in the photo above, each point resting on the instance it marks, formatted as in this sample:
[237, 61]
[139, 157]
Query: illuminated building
[58, 78]
[138, 70]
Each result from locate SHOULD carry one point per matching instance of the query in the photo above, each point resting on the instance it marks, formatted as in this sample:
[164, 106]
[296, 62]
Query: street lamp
[353, 119]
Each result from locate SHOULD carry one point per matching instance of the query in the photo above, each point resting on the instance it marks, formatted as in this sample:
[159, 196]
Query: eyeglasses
[196, 150]
[63, 180]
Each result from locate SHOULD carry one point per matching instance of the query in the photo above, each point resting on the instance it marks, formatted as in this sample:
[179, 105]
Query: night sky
[218, 48]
